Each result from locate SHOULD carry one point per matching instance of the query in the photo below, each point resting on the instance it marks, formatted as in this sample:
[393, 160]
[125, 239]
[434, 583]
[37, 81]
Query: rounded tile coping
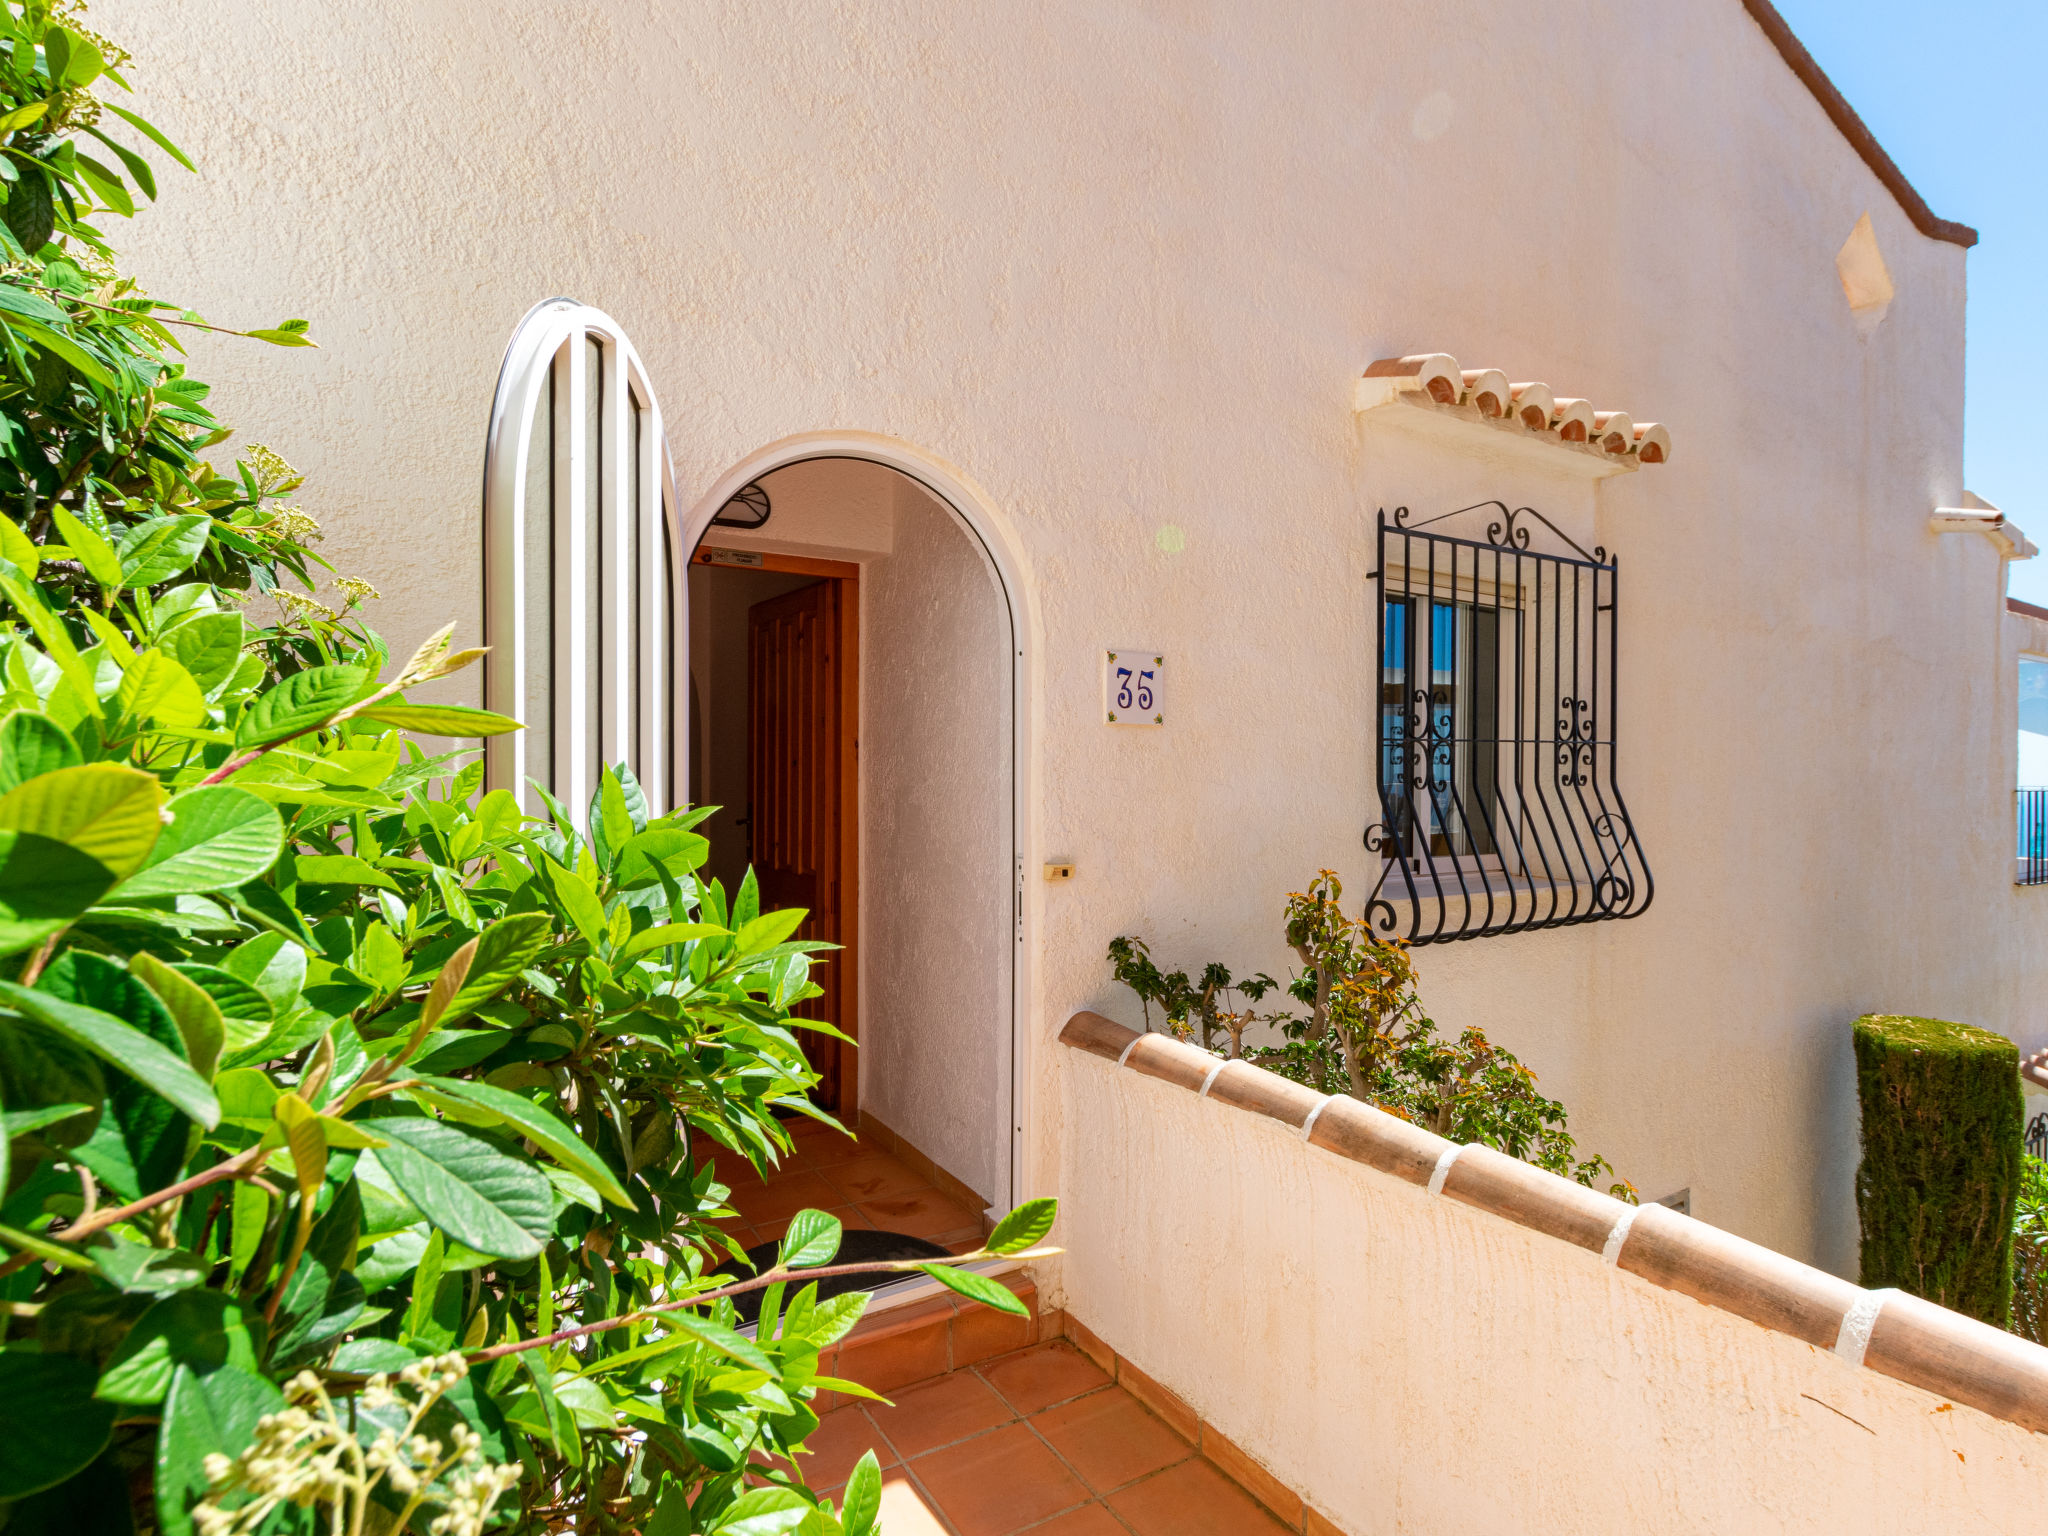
[1898, 1335]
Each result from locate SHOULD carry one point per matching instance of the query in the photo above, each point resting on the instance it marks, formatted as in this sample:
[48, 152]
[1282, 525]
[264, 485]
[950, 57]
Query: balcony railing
[2033, 844]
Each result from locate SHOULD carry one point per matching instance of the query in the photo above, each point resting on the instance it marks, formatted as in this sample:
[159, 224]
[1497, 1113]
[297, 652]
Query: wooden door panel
[796, 739]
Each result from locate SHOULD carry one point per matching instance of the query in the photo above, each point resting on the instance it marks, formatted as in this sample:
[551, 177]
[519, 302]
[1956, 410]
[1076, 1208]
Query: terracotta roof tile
[1538, 410]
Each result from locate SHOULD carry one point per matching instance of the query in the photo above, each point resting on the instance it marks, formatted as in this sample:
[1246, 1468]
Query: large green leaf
[1024, 1227]
[763, 1512]
[324, 1296]
[209, 647]
[153, 1135]
[219, 837]
[29, 602]
[977, 1287]
[720, 1338]
[43, 1073]
[155, 687]
[50, 1426]
[813, 1238]
[667, 849]
[201, 1329]
[768, 930]
[860, 1506]
[342, 869]
[441, 719]
[202, 1416]
[119, 1045]
[467, 1185]
[577, 899]
[246, 1014]
[468, 1100]
[503, 950]
[159, 548]
[44, 885]
[198, 1017]
[92, 551]
[32, 744]
[669, 933]
[105, 810]
[299, 703]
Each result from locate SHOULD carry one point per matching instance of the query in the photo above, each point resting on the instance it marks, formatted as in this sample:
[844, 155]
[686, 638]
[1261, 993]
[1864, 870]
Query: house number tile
[1134, 687]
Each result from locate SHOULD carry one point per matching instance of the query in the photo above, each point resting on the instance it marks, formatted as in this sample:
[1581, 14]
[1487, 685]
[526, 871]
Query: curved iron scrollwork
[1499, 809]
[1507, 531]
[749, 508]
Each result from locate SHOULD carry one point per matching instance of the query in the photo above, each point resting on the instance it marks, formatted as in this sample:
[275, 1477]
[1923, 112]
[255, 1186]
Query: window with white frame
[583, 583]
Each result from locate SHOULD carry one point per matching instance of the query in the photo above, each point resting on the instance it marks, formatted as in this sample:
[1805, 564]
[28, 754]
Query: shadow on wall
[936, 809]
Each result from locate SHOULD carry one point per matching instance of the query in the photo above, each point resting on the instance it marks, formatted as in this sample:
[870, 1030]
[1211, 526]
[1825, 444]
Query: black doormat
[856, 1246]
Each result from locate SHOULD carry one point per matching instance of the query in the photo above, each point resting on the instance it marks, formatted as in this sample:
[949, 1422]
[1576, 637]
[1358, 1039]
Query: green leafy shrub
[2030, 1252]
[355, 1173]
[1365, 1035]
[1942, 1116]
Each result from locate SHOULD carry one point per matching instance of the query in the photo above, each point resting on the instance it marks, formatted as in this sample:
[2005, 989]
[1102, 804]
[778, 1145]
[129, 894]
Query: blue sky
[1954, 92]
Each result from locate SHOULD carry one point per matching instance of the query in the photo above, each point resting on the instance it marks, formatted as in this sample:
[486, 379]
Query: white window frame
[550, 341]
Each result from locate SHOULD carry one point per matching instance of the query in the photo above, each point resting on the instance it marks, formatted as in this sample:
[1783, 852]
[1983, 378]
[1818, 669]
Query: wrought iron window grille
[1499, 809]
[2033, 837]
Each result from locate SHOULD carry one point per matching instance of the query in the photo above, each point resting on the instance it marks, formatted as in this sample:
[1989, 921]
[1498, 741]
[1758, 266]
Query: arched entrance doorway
[851, 656]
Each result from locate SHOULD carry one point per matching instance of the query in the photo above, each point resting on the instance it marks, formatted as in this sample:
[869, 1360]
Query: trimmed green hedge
[1942, 1117]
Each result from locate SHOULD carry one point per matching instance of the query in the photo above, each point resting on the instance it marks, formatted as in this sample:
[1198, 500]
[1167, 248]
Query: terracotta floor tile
[1192, 1499]
[1088, 1520]
[919, 1215]
[770, 1231]
[840, 1440]
[829, 1149]
[982, 1333]
[898, 1359]
[941, 1412]
[1110, 1439]
[785, 1195]
[877, 1176]
[904, 1510]
[998, 1482]
[1036, 1378]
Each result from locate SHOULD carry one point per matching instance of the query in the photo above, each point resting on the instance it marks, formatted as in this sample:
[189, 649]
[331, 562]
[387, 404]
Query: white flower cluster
[306, 1455]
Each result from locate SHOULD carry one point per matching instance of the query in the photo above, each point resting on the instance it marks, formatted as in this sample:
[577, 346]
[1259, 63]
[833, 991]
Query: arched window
[582, 584]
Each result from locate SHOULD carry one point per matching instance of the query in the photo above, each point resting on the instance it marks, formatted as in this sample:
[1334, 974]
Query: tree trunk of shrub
[1942, 1118]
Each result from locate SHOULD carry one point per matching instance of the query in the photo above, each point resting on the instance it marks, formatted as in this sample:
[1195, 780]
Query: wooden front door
[799, 776]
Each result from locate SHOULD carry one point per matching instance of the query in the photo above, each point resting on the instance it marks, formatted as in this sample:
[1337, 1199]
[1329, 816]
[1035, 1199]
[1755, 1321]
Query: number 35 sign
[1133, 690]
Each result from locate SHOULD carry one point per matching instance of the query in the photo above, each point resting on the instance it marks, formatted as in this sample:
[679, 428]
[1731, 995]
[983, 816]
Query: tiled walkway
[1036, 1440]
[1039, 1441]
[860, 1184]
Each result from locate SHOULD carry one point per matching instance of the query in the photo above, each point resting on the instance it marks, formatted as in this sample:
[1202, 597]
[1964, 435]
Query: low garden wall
[1421, 1337]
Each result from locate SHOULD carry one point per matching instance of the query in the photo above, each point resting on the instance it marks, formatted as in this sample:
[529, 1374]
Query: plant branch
[398, 684]
[232, 1168]
[770, 1277]
[153, 319]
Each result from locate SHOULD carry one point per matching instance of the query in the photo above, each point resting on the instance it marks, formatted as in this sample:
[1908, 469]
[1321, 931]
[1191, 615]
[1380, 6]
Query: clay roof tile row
[1534, 406]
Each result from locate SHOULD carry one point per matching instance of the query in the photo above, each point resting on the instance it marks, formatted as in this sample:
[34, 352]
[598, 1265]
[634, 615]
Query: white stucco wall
[1409, 1364]
[1121, 266]
[935, 827]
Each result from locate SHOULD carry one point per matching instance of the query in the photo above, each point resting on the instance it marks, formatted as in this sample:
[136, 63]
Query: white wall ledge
[1900, 1336]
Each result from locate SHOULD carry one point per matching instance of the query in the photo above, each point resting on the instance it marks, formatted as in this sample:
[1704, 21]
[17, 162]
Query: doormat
[856, 1246]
